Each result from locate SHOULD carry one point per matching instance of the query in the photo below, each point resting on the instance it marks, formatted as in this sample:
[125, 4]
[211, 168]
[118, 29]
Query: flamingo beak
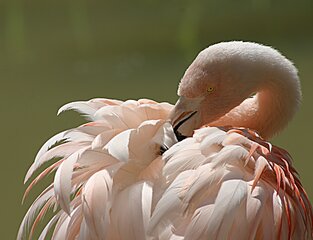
[183, 116]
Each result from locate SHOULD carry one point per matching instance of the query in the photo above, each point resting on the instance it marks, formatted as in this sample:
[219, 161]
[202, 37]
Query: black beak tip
[179, 136]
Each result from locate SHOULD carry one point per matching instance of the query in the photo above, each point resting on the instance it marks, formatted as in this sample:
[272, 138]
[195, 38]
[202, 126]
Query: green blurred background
[54, 52]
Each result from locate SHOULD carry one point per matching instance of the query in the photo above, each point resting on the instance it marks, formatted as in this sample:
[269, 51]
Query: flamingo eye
[210, 89]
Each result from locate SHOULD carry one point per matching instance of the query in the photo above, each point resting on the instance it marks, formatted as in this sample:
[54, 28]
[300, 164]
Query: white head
[224, 76]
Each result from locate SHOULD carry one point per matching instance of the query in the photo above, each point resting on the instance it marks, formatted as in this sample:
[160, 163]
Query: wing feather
[62, 181]
[137, 209]
[96, 203]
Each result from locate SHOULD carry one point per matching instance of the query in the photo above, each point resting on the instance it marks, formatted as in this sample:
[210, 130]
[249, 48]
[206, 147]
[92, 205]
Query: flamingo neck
[270, 110]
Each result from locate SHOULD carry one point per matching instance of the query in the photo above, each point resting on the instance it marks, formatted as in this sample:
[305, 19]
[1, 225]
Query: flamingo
[202, 169]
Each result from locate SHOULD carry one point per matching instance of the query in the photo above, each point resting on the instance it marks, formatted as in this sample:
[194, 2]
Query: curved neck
[270, 110]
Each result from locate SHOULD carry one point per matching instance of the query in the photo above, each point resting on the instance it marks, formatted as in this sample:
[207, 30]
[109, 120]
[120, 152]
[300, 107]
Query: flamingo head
[221, 77]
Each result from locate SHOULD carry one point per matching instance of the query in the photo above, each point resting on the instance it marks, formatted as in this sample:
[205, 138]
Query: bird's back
[228, 183]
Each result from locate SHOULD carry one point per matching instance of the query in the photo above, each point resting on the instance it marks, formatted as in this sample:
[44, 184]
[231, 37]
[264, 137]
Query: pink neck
[269, 111]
